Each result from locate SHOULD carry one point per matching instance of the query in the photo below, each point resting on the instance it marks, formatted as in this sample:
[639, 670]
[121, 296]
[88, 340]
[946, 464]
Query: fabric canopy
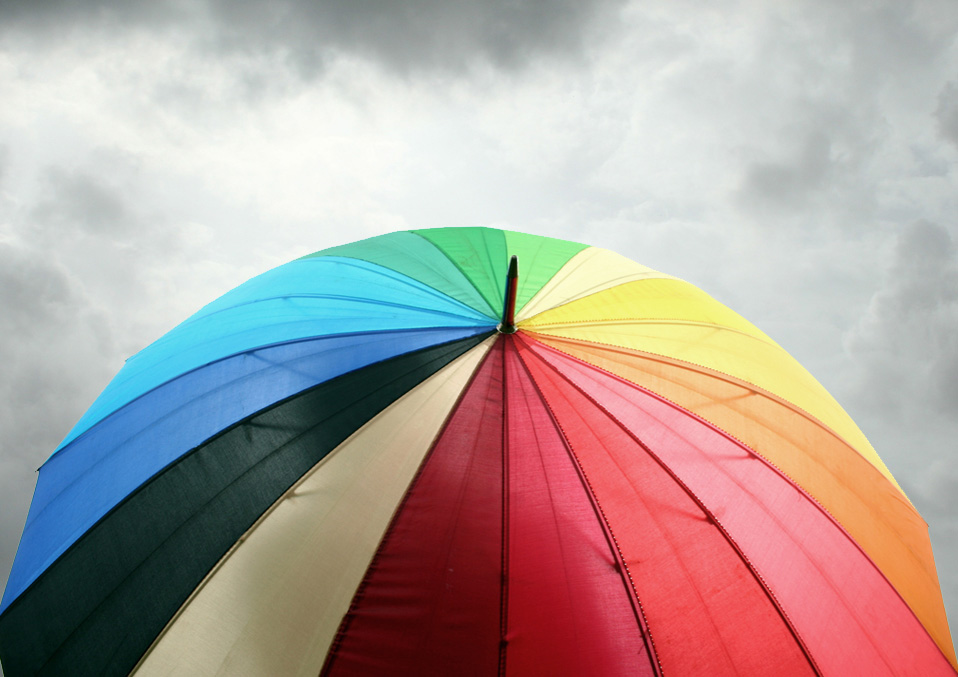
[350, 465]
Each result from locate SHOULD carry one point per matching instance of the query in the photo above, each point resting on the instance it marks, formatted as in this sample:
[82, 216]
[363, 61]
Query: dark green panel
[480, 253]
[99, 607]
[415, 257]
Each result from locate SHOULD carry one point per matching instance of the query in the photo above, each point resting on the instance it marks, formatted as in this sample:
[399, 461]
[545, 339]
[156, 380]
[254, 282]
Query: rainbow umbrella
[401, 456]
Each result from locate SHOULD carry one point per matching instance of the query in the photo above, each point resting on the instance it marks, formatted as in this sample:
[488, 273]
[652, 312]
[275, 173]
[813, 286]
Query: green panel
[416, 257]
[480, 253]
[539, 259]
[468, 264]
[101, 604]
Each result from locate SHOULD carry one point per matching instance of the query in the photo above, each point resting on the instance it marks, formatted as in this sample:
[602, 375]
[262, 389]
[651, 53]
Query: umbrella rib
[624, 573]
[332, 297]
[504, 532]
[210, 500]
[728, 378]
[377, 269]
[774, 468]
[246, 351]
[463, 272]
[611, 322]
[708, 513]
[343, 628]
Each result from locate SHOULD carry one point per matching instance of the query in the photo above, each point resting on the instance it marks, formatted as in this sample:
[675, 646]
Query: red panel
[849, 617]
[707, 613]
[569, 608]
[430, 603]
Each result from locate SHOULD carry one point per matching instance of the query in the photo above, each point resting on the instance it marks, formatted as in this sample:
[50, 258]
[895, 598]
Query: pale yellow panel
[274, 603]
[591, 270]
[674, 319]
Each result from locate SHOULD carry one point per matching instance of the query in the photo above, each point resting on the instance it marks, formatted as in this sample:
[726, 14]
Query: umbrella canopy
[401, 456]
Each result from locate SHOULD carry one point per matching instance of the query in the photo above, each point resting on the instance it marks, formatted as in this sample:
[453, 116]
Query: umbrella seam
[364, 583]
[478, 330]
[319, 254]
[346, 261]
[749, 386]
[645, 320]
[611, 540]
[735, 380]
[798, 487]
[458, 267]
[504, 532]
[178, 528]
[710, 515]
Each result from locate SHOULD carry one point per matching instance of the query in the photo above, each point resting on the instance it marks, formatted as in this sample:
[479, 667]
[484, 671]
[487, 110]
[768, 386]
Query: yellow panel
[855, 493]
[272, 606]
[591, 270]
[675, 319]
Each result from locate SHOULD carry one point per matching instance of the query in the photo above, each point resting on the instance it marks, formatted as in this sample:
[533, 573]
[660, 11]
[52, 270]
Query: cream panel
[272, 606]
[591, 270]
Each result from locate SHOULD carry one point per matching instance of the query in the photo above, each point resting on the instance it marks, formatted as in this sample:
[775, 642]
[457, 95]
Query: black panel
[103, 602]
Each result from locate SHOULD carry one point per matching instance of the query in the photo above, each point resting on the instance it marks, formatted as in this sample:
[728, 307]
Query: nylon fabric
[860, 498]
[430, 601]
[303, 299]
[418, 258]
[792, 545]
[588, 272]
[694, 588]
[100, 468]
[480, 253]
[105, 599]
[568, 610]
[673, 319]
[299, 566]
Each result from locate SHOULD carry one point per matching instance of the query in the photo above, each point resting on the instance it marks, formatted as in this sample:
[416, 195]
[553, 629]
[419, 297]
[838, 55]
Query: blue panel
[303, 299]
[89, 476]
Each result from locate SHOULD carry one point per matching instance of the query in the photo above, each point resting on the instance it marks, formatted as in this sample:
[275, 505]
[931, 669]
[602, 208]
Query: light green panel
[468, 264]
[539, 259]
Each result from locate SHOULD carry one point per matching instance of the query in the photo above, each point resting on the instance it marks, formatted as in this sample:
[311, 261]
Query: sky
[798, 161]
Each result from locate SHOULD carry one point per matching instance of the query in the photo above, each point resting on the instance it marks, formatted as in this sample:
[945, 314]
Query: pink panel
[569, 608]
[849, 617]
[706, 612]
[430, 602]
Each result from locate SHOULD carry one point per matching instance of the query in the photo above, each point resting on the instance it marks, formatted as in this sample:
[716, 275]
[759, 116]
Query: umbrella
[469, 451]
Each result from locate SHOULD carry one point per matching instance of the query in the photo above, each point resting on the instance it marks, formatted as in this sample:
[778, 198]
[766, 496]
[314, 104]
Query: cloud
[907, 343]
[402, 37]
[903, 385]
[55, 347]
[947, 112]
[78, 200]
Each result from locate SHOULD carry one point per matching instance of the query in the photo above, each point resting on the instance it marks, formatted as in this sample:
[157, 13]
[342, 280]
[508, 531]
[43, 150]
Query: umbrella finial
[508, 324]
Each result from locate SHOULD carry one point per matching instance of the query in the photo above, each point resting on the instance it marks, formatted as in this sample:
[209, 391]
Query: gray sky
[798, 161]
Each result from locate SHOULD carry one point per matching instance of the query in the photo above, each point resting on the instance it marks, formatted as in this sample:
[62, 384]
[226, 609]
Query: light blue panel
[305, 298]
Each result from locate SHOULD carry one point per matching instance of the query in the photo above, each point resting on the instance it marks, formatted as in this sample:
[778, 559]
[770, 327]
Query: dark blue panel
[89, 476]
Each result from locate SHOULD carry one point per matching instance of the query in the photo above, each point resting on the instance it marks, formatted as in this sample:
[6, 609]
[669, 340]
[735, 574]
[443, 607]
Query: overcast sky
[798, 161]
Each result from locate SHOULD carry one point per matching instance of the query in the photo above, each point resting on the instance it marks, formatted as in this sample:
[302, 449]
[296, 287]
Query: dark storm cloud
[908, 342]
[408, 35]
[77, 199]
[436, 35]
[52, 346]
[792, 183]
[947, 112]
[78, 291]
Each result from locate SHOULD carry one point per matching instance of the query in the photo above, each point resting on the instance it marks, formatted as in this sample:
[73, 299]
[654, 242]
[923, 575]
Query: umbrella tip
[508, 323]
